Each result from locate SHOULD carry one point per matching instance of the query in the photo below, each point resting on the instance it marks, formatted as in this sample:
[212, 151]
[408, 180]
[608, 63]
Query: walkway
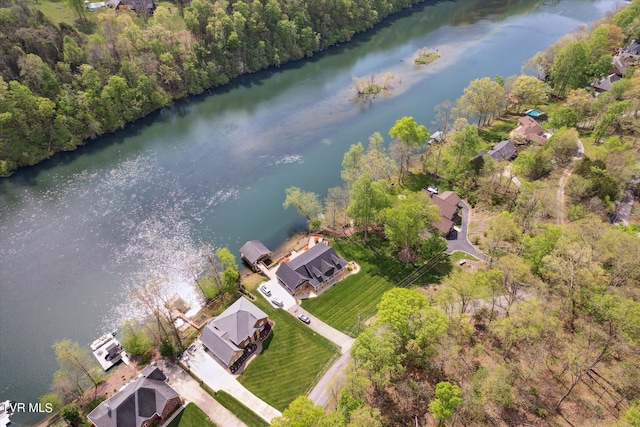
[216, 377]
[190, 390]
[461, 241]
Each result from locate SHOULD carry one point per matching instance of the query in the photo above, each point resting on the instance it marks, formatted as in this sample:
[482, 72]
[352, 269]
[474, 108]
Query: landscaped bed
[292, 358]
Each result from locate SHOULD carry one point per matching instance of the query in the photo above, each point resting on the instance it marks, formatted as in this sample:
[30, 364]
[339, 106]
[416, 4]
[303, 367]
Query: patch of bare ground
[116, 378]
[478, 224]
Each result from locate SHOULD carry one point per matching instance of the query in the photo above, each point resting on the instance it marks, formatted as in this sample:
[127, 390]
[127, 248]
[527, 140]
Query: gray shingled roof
[505, 150]
[315, 266]
[253, 250]
[223, 334]
[138, 401]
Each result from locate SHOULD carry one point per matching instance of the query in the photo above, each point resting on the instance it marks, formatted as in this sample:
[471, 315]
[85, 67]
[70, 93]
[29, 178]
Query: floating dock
[107, 351]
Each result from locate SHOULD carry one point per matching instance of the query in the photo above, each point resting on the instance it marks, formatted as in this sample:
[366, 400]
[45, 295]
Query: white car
[265, 290]
[277, 301]
[432, 189]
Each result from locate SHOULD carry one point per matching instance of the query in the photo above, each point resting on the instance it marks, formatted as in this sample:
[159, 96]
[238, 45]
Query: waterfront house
[449, 204]
[312, 272]
[253, 253]
[505, 150]
[146, 401]
[436, 137]
[233, 335]
[604, 84]
[528, 130]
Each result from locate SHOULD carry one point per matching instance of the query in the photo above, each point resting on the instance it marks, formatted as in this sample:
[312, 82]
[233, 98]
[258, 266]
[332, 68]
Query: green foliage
[570, 67]
[306, 203]
[448, 397]
[134, 338]
[167, 349]
[632, 414]
[367, 200]
[563, 117]
[71, 414]
[425, 57]
[93, 404]
[483, 99]
[51, 399]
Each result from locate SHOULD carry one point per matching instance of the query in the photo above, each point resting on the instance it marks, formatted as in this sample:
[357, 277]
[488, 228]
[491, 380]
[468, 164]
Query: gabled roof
[223, 334]
[239, 320]
[436, 136]
[448, 204]
[604, 84]
[253, 250]
[314, 266]
[505, 150]
[136, 402]
[633, 48]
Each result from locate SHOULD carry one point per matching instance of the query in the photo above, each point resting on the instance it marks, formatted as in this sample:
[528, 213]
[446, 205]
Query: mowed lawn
[291, 360]
[191, 416]
[349, 303]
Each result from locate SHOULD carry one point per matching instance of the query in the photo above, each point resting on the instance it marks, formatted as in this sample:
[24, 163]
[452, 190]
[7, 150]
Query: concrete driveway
[190, 390]
[210, 371]
[277, 291]
[461, 241]
[321, 393]
[342, 340]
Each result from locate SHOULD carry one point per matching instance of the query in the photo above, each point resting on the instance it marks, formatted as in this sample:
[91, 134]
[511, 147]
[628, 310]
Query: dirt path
[563, 180]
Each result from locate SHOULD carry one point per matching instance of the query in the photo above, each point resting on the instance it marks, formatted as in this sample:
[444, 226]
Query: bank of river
[78, 232]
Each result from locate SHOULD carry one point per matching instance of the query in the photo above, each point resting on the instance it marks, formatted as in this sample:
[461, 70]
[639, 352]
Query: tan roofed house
[529, 130]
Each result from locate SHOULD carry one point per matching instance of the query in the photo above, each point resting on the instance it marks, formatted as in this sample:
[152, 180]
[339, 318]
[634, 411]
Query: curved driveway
[461, 241]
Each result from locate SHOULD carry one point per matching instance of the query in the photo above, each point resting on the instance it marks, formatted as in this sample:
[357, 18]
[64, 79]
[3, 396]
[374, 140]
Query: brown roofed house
[449, 204]
[529, 130]
[146, 401]
[140, 7]
[312, 272]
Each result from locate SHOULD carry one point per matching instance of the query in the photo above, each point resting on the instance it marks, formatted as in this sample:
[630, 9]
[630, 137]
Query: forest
[66, 83]
[545, 329]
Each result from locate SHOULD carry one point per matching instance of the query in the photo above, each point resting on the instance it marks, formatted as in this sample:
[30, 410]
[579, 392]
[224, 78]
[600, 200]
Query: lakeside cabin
[253, 253]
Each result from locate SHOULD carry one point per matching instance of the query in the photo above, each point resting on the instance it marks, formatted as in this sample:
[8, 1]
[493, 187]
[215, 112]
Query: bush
[167, 349]
[71, 414]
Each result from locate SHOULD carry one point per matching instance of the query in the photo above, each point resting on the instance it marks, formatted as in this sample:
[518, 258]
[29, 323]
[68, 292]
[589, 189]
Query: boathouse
[253, 253]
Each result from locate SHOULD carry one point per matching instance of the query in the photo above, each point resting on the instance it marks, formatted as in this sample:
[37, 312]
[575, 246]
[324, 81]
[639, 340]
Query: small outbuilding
[253, 253]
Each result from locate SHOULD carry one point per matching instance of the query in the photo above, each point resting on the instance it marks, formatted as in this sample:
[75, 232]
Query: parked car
[265, 290]
[433, 189]
[304, 318]
[277, 301]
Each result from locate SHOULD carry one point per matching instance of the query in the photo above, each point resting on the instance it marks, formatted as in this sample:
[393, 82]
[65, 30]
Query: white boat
[5, 413]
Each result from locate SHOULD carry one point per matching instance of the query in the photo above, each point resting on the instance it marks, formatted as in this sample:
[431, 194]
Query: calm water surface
[78, 232]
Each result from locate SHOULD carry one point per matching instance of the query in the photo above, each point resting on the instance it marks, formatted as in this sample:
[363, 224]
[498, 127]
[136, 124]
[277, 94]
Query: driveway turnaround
[461, 242]
[277, 291]
[210, 371]
[190, 390]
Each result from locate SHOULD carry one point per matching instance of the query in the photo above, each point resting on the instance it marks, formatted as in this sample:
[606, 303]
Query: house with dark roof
[505, 150]
[140, 7]
[314, 271]
[233, 334]
[528, 130]
[253, 253]
[449, 204]
[604, 84]
[146, 401]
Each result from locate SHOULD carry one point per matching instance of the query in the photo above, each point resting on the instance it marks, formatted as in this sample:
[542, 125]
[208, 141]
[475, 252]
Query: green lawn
[191, 416]
[499, 130]
[357, 296]
[291, 360]
[245, 414]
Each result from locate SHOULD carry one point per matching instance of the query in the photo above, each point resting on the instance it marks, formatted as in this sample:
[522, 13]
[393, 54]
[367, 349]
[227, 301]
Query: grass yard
[357, 296]
[499, 130]
[191, 416]
[291, 361]
[245, 414]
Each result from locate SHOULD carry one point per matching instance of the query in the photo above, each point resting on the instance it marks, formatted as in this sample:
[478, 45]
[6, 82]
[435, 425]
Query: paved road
[321, 392]
[461, 242]
[190, 390]
[623, 208]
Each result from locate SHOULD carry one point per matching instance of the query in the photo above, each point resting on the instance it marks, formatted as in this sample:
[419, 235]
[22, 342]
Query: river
[79, 231]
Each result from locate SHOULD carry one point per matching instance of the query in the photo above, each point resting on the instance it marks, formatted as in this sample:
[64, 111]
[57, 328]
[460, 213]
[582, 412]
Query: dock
[108, 351]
